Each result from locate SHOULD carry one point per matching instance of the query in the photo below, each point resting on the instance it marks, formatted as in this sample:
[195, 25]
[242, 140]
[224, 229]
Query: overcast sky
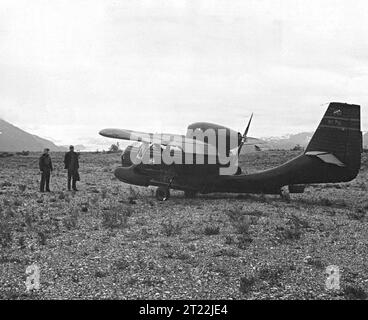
[71, 68]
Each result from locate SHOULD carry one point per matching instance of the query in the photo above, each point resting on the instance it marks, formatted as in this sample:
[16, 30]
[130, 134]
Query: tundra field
[113, 241]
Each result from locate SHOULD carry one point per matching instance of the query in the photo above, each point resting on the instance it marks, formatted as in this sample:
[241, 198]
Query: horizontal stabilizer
[326, 157]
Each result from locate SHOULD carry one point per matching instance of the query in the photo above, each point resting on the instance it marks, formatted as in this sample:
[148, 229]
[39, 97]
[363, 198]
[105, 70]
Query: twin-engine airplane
[205, 159]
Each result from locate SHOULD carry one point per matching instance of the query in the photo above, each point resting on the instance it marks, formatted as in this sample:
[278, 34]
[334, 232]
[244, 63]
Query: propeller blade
[247, 129]
[244, 137]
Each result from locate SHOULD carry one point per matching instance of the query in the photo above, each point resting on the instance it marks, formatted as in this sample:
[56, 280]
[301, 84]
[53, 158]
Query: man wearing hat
[72, 165]
[45, 165]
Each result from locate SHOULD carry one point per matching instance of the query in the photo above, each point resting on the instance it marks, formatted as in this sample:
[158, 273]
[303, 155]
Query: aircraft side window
[152, 152]
[140, 153]
[174, 150]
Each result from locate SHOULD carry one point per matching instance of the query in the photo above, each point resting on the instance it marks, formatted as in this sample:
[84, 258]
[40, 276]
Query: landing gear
[162, 193]
[190, 194]
[285, 194]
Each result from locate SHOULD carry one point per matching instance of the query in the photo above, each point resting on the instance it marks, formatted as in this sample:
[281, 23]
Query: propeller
[244, 137]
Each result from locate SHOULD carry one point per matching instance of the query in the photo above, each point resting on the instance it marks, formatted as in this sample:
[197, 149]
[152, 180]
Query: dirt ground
[113, 241]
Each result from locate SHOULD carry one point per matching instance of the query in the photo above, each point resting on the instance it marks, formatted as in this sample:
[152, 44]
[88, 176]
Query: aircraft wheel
[162, 193]
[190, 194]
[285, 194]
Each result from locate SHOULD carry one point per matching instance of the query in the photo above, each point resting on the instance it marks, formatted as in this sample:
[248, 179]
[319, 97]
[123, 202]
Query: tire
[190, 194]
[284, 193]
[162, 194]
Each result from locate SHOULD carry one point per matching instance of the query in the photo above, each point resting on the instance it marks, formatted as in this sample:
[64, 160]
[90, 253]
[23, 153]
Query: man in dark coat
[72, 164]
[45, 165]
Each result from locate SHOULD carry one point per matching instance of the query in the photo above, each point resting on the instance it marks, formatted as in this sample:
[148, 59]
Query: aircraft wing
[132, 135]
[188, 145]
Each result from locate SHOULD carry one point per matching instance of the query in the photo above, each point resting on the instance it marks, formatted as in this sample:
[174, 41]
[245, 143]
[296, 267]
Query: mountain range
[301, 139]
[288, 142]
[13, 139]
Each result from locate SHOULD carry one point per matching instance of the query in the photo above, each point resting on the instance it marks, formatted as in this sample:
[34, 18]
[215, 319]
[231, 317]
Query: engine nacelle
[232, 137]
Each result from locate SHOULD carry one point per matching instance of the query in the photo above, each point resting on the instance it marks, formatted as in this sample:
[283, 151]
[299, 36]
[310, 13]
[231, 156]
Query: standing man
[72, 164]
[45, 165]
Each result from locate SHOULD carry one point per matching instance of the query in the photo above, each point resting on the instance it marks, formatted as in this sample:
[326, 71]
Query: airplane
[333, 155]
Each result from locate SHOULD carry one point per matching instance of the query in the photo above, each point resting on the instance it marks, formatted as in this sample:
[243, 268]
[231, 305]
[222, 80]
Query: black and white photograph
[206, 151]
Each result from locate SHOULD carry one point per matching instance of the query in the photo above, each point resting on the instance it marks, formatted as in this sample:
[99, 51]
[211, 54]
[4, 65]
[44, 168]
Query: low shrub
[211, 230]
[71, 222]
[116, 217]
[5, 233]
[171, 229]
[246, 284]
[354, 292]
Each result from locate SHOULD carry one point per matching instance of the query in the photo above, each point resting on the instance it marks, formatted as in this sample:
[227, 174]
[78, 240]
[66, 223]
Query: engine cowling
[233, 138]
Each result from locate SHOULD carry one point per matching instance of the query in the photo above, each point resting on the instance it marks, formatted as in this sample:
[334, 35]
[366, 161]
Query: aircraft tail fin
[338, 138]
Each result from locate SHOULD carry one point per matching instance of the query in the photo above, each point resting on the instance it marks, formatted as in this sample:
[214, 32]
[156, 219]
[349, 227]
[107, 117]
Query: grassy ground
[113, 241]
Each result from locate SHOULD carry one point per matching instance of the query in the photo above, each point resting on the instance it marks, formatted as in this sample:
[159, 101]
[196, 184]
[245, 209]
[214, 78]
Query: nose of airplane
[127, 175]
[122, 173]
